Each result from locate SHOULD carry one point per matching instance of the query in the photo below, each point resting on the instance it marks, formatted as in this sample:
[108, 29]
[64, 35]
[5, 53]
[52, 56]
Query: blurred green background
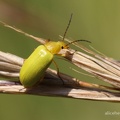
[97, 21]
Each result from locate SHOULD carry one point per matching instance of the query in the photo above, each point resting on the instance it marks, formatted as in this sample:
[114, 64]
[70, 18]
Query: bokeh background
[97, 21]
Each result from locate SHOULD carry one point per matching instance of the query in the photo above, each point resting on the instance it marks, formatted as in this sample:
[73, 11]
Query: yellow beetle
[34, 67]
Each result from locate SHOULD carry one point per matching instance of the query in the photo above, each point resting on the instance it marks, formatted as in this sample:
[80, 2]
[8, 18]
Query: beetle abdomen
[34, 67]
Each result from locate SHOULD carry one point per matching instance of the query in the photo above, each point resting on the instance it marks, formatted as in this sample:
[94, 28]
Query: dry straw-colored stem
[98, 65]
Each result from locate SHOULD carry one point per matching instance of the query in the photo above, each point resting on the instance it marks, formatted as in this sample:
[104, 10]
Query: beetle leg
[58, 73]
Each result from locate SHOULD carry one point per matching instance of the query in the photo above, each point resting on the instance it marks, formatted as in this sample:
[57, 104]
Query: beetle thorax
[55, 47]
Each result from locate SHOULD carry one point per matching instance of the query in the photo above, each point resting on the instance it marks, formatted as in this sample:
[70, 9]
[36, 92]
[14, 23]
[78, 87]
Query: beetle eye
[62, 47]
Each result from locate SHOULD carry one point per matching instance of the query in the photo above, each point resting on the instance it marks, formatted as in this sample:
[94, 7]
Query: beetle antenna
[67, 27]
[78, 41]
